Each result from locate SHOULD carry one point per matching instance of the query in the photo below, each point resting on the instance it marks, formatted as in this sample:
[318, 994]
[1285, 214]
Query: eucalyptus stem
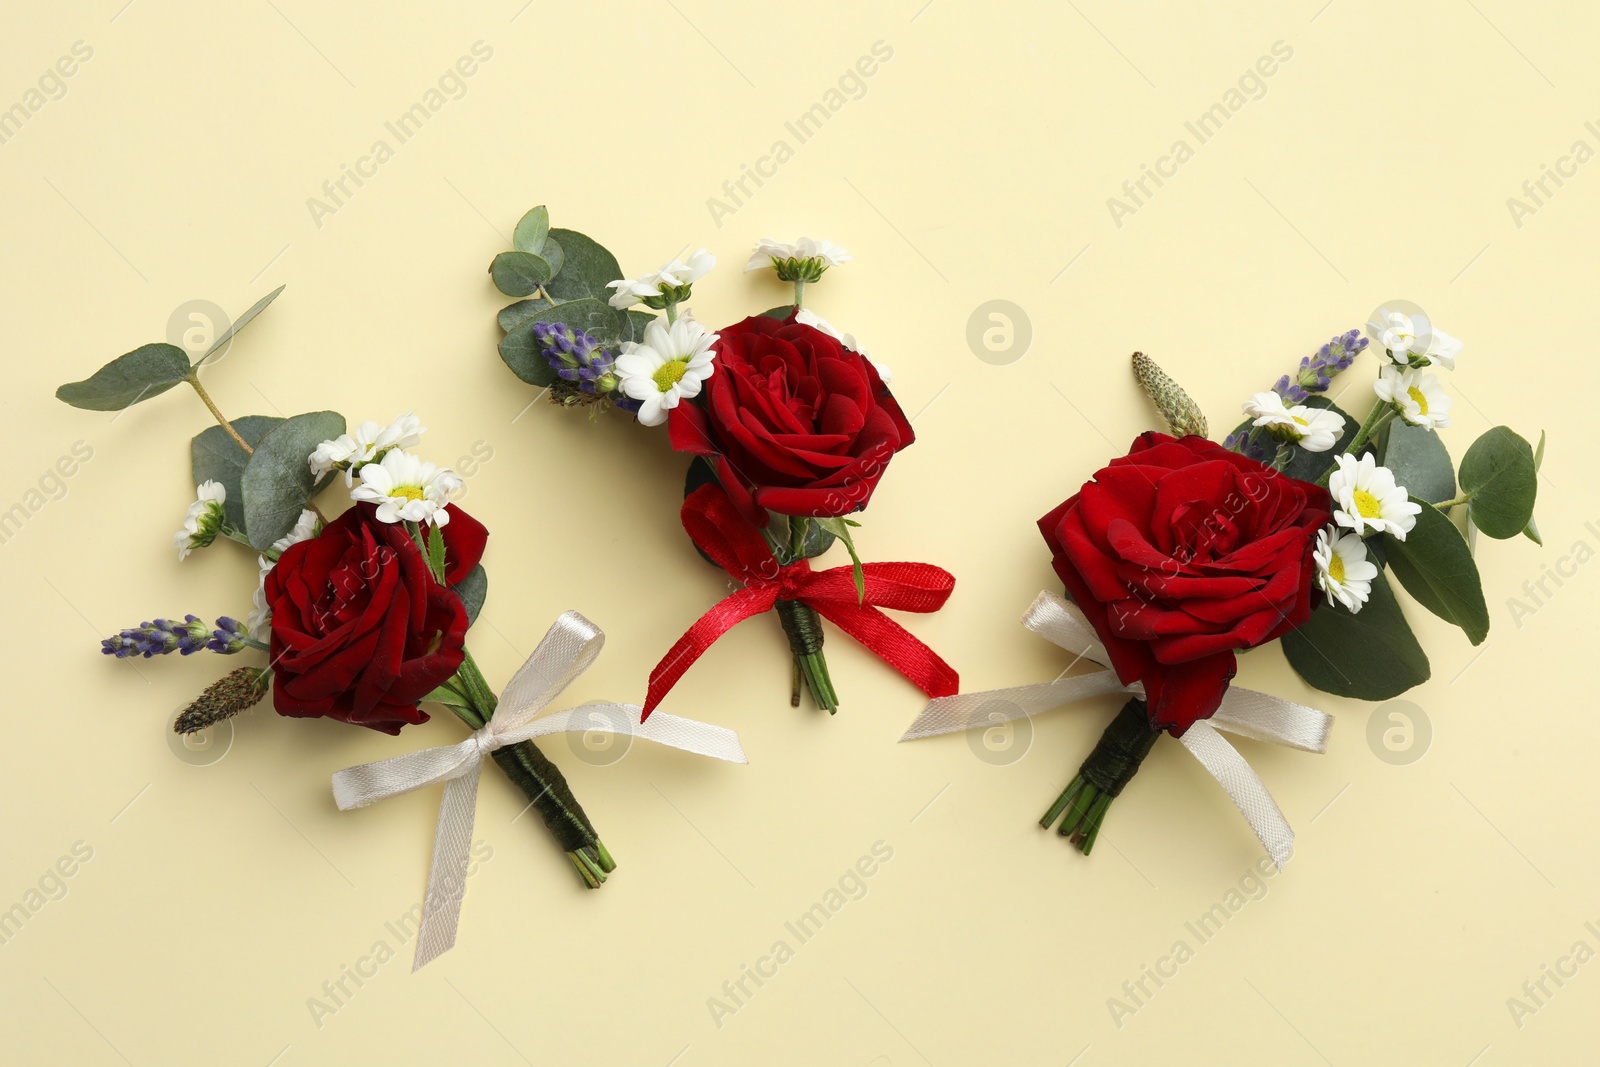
[194, 380]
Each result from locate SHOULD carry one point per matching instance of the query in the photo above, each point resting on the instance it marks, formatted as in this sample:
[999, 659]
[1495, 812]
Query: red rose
[1181, 553]
[792, 421]
[361, 631]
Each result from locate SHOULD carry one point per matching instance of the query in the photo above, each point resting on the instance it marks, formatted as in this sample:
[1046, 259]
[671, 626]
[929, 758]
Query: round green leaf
[472, 589]
[519, 273]
[216, 457]
[147, 371]
[522, 355]
[531, 231]
[1419, 460]
[1435, 566]
[586, 268]
[1499, 473]
[1370, 655]
[276, 482]
[512, 315]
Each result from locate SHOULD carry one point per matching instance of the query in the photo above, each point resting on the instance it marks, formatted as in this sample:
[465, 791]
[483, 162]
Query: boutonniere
[1184, 553]
[789, 424]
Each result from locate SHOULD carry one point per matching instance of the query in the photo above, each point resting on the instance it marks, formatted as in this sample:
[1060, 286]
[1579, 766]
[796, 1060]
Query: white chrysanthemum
[1367, 500]
[1443, 349]
[1314, 429]
[1343, 570]
[407, 488]
[817, 322]
[260, 616]
[203, 521]
[366, 445]
[670, 365]
[675, 275]
[1416, 395]
[1395, 331]
[770, 253]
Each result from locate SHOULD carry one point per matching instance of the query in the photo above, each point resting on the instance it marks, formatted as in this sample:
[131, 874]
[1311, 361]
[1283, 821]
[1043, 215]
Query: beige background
[220, 896]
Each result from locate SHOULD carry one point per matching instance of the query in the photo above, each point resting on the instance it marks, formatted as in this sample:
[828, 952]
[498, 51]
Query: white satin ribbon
[1245, 712]
[566, 652]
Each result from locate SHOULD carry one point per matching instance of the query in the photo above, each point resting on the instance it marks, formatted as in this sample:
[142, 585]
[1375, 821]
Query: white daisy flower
[407, 488]
[260, 617]
[1443, 349]
[1416, 395]
[203, 521]
[806, 255]
[660, 286]
[669, 366]
[1314, 429]
[810, 318]
[1398, 333]
[1343, 570]
[366, 445]
[1367, 500]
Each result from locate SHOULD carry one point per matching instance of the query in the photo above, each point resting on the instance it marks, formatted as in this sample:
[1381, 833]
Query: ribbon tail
[1244, 787]
[971, 711]
[892, 643]
[1263, 717]
[447, 874]
[688, 735]
[723, 616]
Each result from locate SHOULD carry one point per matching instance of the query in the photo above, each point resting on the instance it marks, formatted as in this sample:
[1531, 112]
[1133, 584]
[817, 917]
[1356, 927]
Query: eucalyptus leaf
[531, 231]
[586, 268]
[277, 482]
[513, 315]
[519, 273]
[214, 456]
[1435, 566]
[1419, 461]
[1499, 474]
[1370, 655]
[147, 371]
[238, 324]
[634, 325]
[472, 589]
[1531, 531]
[521, 353]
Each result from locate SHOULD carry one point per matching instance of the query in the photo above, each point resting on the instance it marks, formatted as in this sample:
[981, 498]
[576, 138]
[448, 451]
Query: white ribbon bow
[1244, 712]
[566, 652]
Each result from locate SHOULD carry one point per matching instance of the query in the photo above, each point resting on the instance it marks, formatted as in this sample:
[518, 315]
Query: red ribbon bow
[738, 548]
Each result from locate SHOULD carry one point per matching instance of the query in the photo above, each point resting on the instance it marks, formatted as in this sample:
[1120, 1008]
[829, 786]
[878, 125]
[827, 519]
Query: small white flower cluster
[1366, 500]
[204, 519]
[1313, 429]
[658, 287]
[405, 487]
[1405, 384]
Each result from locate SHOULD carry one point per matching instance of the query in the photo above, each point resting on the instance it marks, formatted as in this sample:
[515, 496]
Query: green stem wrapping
[542, 781]
[1109, 768]
[803, 626]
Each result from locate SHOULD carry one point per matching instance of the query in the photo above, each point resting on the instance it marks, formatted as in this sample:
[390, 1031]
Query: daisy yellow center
[1420, 400]
[1336, 568]
[407, 492]
[1368, 505]
[1298, 419]
[670, 373]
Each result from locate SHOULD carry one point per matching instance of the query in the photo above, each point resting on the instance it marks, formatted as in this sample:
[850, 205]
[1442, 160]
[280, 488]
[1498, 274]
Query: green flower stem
[543, 783]
[799, 293]
[1082, 806]
[1377, 419]
[803, 626]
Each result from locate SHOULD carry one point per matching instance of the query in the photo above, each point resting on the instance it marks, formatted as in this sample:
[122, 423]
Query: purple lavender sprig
[187, 637]
[1316, 372]
[577, 357]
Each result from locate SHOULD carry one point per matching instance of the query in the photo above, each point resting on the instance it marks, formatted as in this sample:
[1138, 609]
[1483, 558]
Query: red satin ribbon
[738, 548]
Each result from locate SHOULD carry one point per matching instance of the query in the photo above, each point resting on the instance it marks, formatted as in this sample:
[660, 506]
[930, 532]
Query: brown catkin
[224, 698]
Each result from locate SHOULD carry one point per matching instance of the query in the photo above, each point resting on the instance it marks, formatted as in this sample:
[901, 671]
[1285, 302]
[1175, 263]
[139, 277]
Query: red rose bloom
[361, 631]
[792, 421]
[1181, 553]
